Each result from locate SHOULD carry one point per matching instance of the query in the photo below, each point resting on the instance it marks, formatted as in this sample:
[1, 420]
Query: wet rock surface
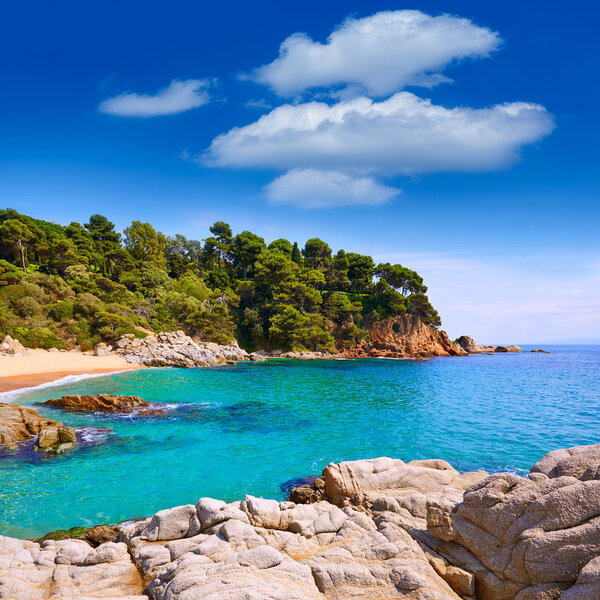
[94, 536]
[372, 530]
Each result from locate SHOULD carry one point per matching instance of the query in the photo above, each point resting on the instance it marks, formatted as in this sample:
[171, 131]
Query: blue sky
[459, 139]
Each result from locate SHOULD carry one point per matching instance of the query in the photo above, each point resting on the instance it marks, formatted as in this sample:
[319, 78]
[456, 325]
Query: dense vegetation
[82, 284]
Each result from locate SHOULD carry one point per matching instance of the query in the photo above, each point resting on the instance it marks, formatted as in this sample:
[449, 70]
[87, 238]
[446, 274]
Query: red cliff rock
[405, 336]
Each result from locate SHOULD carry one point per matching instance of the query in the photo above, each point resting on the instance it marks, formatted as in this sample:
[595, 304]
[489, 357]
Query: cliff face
[405, 336]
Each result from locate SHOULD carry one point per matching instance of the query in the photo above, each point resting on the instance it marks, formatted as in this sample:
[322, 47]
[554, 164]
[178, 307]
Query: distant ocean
[253, 427]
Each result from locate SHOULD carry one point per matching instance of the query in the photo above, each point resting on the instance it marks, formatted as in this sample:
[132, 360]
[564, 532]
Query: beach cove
[39, 367]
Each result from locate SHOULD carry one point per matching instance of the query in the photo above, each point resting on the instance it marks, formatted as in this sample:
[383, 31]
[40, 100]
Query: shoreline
[39, 367]
[388, 520]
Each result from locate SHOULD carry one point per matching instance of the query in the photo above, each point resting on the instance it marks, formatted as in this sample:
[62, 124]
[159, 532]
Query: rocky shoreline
[405, 336]
[370, 529]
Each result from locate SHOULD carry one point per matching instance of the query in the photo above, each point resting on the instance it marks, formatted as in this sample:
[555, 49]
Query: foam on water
[68, 379]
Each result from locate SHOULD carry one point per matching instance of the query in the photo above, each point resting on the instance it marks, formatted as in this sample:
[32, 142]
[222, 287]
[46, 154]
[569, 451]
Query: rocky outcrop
[468, 344]
[293, 354]
[581, 462]
[508, 349]
[102, 349]
[105, 403]
[366, 481]
[19, 423]
[56, 439]
[176, 349]
[10, 347]
[67, 569]
[507, 538]
[374, 529]
[405, 336]
[527, 538]
[261, 548]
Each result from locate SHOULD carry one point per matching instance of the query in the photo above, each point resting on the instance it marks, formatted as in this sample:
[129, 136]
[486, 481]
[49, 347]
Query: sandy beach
[41, 366]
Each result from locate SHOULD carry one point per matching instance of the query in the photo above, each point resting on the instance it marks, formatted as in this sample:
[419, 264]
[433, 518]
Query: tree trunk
[22, 251]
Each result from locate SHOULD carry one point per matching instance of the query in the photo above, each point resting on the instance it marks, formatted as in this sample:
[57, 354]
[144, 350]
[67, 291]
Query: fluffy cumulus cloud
[377, 55]
[312, 188]
[335, 152]
[402, 135]
[177, 97]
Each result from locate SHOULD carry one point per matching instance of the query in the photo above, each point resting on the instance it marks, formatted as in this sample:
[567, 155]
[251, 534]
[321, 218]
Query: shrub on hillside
[61, 311]
[38, 337]
[75, 272]
[9, 273]
[27, 307]
[87, 305]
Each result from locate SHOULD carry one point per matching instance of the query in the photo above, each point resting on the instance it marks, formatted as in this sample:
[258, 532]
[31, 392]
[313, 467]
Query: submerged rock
[105, 403]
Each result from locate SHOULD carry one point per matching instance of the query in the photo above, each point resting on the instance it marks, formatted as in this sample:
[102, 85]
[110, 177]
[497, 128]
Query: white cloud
[311, 188]
[402, 135]
[378, 54]
[260, 104]
[177, 97]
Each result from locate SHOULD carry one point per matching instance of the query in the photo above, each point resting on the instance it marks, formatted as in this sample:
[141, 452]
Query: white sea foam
[90, 435]
[13, 394]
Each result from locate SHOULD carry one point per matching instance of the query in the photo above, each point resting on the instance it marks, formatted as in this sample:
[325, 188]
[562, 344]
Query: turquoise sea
[253, 427]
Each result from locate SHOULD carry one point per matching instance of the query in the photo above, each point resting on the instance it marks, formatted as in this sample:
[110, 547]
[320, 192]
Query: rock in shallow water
[56, 438]
[105, 403]
[19, 423]
[508, 349]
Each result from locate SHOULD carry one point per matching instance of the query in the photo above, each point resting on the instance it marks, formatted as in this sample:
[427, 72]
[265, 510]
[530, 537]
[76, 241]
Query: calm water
[252, 427]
